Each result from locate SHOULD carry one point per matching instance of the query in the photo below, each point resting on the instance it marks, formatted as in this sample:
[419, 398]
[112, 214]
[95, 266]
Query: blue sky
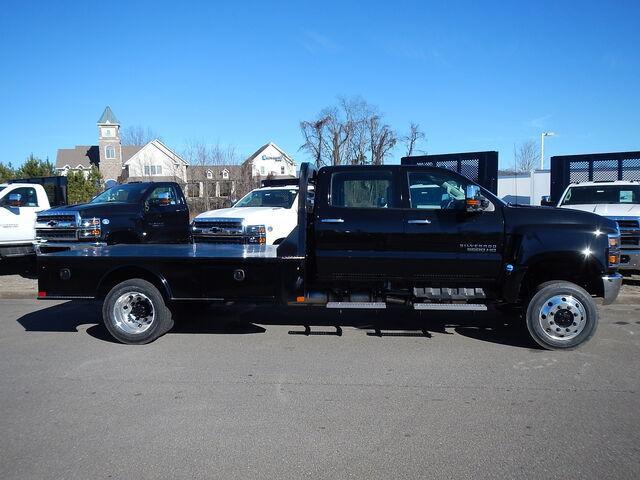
[474, 75]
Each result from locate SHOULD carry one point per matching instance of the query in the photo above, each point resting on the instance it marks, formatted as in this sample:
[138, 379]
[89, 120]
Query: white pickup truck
[618, 200]
[19, 204]
[263, 216]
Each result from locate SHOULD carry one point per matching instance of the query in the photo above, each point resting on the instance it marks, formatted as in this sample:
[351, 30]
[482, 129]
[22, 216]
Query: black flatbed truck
[374, 238]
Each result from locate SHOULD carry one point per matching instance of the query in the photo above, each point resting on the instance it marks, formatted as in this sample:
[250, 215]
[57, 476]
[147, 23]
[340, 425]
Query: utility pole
[544, 134]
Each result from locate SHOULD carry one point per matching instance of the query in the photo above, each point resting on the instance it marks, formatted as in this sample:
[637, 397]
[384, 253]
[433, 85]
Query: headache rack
[592, 167]
[481, 167]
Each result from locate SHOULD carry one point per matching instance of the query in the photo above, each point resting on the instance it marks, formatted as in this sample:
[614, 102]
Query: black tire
[561, 316]
[161, 322]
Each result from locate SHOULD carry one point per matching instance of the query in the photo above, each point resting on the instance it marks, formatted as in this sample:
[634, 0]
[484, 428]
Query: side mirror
[546, 201]
[472, 199]
[15, 200]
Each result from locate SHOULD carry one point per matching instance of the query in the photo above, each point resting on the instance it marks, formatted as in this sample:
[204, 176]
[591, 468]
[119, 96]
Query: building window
[225, 189]
[282, 170]
[209, 174]
[151, 170]
[261, 169]
[225, 174]
[110, 152]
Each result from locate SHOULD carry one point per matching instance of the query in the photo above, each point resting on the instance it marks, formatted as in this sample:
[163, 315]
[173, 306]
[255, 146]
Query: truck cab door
[357, 223]
[165, 215]
[18, 209]
[445, 244]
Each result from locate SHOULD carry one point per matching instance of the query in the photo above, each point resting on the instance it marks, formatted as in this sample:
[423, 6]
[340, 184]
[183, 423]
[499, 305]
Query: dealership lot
[249, 397]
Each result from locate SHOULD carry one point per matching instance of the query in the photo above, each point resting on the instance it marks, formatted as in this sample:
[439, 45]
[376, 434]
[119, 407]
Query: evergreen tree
[81, 189]
[35, 167]
[7, 172]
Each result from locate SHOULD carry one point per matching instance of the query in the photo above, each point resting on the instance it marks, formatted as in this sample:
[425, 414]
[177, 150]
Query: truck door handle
[421, 222]
[332, 220]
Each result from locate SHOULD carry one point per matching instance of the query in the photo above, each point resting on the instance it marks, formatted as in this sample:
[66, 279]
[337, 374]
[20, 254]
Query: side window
[161, 196]
[435, 191]
[363, 189]
[28, 197]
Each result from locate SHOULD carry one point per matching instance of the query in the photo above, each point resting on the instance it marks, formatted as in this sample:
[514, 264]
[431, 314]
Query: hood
[532, 215]
[250, 214]
[609, 210]
[97, 209]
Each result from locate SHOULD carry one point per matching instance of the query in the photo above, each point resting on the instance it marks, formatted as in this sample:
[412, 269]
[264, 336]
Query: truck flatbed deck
[168, 251]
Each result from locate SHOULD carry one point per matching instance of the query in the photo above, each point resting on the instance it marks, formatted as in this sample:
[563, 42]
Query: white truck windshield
[268, 198]
[602, 194]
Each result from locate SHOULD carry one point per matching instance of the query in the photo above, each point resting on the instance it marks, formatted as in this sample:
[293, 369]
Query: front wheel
[561, 316]
[135, 313]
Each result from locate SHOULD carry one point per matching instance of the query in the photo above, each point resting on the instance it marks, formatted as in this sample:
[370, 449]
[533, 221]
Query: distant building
[118, 163]
[224, 183]
[156, 162]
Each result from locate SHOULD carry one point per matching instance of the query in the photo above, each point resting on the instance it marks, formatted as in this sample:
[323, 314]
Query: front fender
[555, 252]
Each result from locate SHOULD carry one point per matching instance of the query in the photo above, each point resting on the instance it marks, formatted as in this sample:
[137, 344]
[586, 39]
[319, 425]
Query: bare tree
[350, 133]
[312, 132]
[527, 156]
[137, 135]
[412, 139]
[381, 140]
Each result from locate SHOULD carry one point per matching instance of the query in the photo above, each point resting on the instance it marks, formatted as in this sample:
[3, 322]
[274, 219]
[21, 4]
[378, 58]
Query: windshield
[130, 193]
[602, 194]
[268, 198]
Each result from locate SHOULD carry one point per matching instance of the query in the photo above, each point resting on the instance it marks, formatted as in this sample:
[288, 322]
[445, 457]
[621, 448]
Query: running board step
[450, 306]
[369, 305]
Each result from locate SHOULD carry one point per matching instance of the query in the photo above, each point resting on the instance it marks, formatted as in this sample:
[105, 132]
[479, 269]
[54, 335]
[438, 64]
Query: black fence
[481, 167]
[592, 167]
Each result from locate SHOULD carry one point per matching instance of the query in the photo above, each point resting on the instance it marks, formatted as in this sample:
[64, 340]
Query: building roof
[88, 156]
[108, 117]
[253, 156]
[83, 155]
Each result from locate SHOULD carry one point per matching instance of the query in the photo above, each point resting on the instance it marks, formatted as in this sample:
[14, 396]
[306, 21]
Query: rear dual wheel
[561, 316]
[135, 312]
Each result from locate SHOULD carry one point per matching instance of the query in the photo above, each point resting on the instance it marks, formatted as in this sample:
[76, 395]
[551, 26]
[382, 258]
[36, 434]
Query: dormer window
[110, 152]
[209, 174]
[225, 174]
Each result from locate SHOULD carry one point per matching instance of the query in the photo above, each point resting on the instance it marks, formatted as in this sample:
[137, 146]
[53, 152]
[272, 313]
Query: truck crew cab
[375, 237]
[144, 212]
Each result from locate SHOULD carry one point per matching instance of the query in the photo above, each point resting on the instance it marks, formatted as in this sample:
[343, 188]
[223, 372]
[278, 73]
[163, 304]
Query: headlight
[256, 234]
[613, 252]
[90, 222]
[90, 228]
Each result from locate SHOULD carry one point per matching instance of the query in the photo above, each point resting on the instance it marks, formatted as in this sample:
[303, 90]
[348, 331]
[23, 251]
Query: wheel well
[121, 274]
[585, 274]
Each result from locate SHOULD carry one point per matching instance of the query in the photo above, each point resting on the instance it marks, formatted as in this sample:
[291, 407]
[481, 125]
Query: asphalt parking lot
[241, 394]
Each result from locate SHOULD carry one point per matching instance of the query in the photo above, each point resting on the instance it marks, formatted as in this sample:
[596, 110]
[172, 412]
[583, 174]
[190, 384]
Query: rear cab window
[363, 189]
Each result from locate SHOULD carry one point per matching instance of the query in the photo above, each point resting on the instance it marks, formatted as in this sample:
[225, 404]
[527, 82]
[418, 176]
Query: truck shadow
[486, 327]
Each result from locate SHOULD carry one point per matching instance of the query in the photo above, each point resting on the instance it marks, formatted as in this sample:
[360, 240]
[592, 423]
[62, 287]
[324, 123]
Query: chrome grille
[629, 232]
[56, 233]
[57, 226]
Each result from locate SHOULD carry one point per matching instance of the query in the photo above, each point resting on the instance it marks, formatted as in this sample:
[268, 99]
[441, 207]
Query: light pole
[544, 134]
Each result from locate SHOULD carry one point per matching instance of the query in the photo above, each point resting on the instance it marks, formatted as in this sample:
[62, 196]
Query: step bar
[477, 307]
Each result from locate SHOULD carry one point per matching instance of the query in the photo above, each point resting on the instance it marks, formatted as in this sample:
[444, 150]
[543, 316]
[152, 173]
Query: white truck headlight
[256, 234]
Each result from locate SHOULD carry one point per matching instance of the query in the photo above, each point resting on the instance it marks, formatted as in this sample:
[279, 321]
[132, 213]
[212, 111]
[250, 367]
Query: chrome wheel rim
[562, 317]
[133, 313]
